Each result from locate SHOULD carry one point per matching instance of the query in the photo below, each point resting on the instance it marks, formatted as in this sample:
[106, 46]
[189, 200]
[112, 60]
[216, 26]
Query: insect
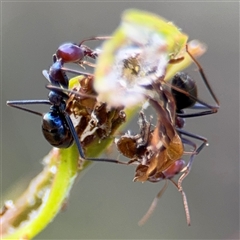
[158, 152]
[69, 53]
[138, 73]
[57, 126]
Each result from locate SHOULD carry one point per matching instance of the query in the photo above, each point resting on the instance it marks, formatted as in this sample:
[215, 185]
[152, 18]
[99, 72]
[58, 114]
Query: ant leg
[190, 143]
[75, 136]
[107, 160]
[198, 106]
[153, 205]
[62, 90]
[185, 203]
[88, 51]
[15, 104]
[95, 38]
[76, 72]
[80, 149]
[156, 199]
[198, 114]
[87, 63]
[186, 170]
[194, 136]
[200, 103]
[205, 80]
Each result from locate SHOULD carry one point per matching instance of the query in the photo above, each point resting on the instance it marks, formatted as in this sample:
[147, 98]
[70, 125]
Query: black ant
[57, 126]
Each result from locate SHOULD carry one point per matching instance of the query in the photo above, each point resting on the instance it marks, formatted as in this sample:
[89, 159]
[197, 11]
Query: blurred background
[105, 203]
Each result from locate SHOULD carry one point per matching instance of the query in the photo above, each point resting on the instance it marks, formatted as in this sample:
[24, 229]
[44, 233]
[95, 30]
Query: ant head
[183, 81]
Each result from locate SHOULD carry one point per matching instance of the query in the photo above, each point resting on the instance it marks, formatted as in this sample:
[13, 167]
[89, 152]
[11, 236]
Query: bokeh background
[105, 203]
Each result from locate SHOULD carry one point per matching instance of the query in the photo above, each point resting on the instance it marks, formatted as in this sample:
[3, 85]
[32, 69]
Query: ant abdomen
[174, 169]
[55, 129]
[70, 53]
[184, 82]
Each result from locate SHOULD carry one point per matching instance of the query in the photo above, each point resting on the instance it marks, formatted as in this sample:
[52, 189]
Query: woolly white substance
[139, 61]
